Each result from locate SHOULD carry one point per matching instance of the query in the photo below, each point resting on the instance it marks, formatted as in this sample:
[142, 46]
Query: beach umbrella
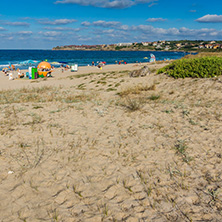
[55, 63]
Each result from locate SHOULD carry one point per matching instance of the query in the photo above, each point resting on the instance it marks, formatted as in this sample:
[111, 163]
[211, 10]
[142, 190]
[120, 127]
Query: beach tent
[44, 68]
[44, 65]
[153, 58]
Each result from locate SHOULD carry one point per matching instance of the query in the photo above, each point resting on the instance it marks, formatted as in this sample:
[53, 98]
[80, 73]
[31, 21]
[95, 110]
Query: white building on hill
[124, 44]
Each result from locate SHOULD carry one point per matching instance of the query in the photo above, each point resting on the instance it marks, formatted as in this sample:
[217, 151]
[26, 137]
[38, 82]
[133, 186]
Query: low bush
[204, 67]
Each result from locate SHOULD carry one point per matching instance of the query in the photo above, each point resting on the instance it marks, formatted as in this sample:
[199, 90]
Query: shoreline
[136, 50]
[58, 76]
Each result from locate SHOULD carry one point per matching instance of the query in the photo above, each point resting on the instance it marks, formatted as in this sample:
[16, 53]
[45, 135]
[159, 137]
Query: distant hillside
[182, 45]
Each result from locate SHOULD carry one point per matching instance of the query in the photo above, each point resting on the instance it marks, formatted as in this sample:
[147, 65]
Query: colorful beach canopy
[29, 62]
[55, 63]
[153, 58]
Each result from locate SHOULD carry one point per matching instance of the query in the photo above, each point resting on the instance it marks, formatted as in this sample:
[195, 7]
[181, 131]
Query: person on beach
[20, 75]
[93, 63]
[5, 70]
[62, 68]
[11, 76]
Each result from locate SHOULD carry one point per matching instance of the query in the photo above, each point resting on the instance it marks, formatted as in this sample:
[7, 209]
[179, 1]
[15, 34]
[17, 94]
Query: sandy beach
[97, 145]
[58, 76]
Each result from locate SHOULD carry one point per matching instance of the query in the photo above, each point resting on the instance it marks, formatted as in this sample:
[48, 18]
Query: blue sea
[82, 58]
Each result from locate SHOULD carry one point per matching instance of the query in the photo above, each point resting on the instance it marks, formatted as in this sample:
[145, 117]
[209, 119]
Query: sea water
[82, 58]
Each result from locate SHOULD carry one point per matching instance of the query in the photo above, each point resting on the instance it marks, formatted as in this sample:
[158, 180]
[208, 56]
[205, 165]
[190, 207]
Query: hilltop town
[181, 45]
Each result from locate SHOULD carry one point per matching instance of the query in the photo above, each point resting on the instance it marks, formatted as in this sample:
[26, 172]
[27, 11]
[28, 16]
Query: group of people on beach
[121, 62]
[99, 64]
[64, 67]
[10, 73]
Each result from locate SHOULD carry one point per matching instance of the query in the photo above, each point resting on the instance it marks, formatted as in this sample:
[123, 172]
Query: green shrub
[204, 67]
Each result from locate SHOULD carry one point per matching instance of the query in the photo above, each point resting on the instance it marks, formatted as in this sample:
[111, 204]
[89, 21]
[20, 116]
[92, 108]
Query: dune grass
[137, 89]
[41, 95]
[203, 67]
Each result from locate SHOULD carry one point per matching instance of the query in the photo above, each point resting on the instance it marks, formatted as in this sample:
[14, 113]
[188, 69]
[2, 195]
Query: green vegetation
[117, 48]
[181, 149]
[204, 67]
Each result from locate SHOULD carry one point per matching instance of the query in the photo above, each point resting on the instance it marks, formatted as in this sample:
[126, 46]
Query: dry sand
[97, 145]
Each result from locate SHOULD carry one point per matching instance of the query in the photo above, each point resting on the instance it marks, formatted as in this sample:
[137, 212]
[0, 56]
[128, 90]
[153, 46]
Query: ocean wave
[7, 65]
[17, 65]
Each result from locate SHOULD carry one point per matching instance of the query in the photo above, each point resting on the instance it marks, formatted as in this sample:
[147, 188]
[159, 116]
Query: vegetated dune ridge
[103, 146]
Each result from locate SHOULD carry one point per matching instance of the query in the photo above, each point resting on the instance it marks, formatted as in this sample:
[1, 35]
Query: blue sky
[43, 24]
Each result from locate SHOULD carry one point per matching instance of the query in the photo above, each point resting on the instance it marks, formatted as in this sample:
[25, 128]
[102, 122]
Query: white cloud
[152, 4]
[124, 27]
[106, 3]
[214, 33]
[50, 34]
[86, 23]
[110, 31]
[62, 29]
[149, 32]
[25, 33]
[210, 19]
[84, 39]
[175, 33]
[27, 18]
[2, 29]
[156, 20]
[14, 23]
[101, 23]
[105, 24]
[56, 22]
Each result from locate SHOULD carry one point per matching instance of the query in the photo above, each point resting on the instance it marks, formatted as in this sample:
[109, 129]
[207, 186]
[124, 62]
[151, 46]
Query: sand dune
[97, 145]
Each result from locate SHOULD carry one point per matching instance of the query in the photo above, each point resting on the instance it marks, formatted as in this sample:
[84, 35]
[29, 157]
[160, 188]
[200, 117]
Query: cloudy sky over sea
[43, 24]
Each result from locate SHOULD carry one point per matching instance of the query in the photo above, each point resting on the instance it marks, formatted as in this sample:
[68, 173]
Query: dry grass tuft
[136, 90]
[29, 155]
[133, 104]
